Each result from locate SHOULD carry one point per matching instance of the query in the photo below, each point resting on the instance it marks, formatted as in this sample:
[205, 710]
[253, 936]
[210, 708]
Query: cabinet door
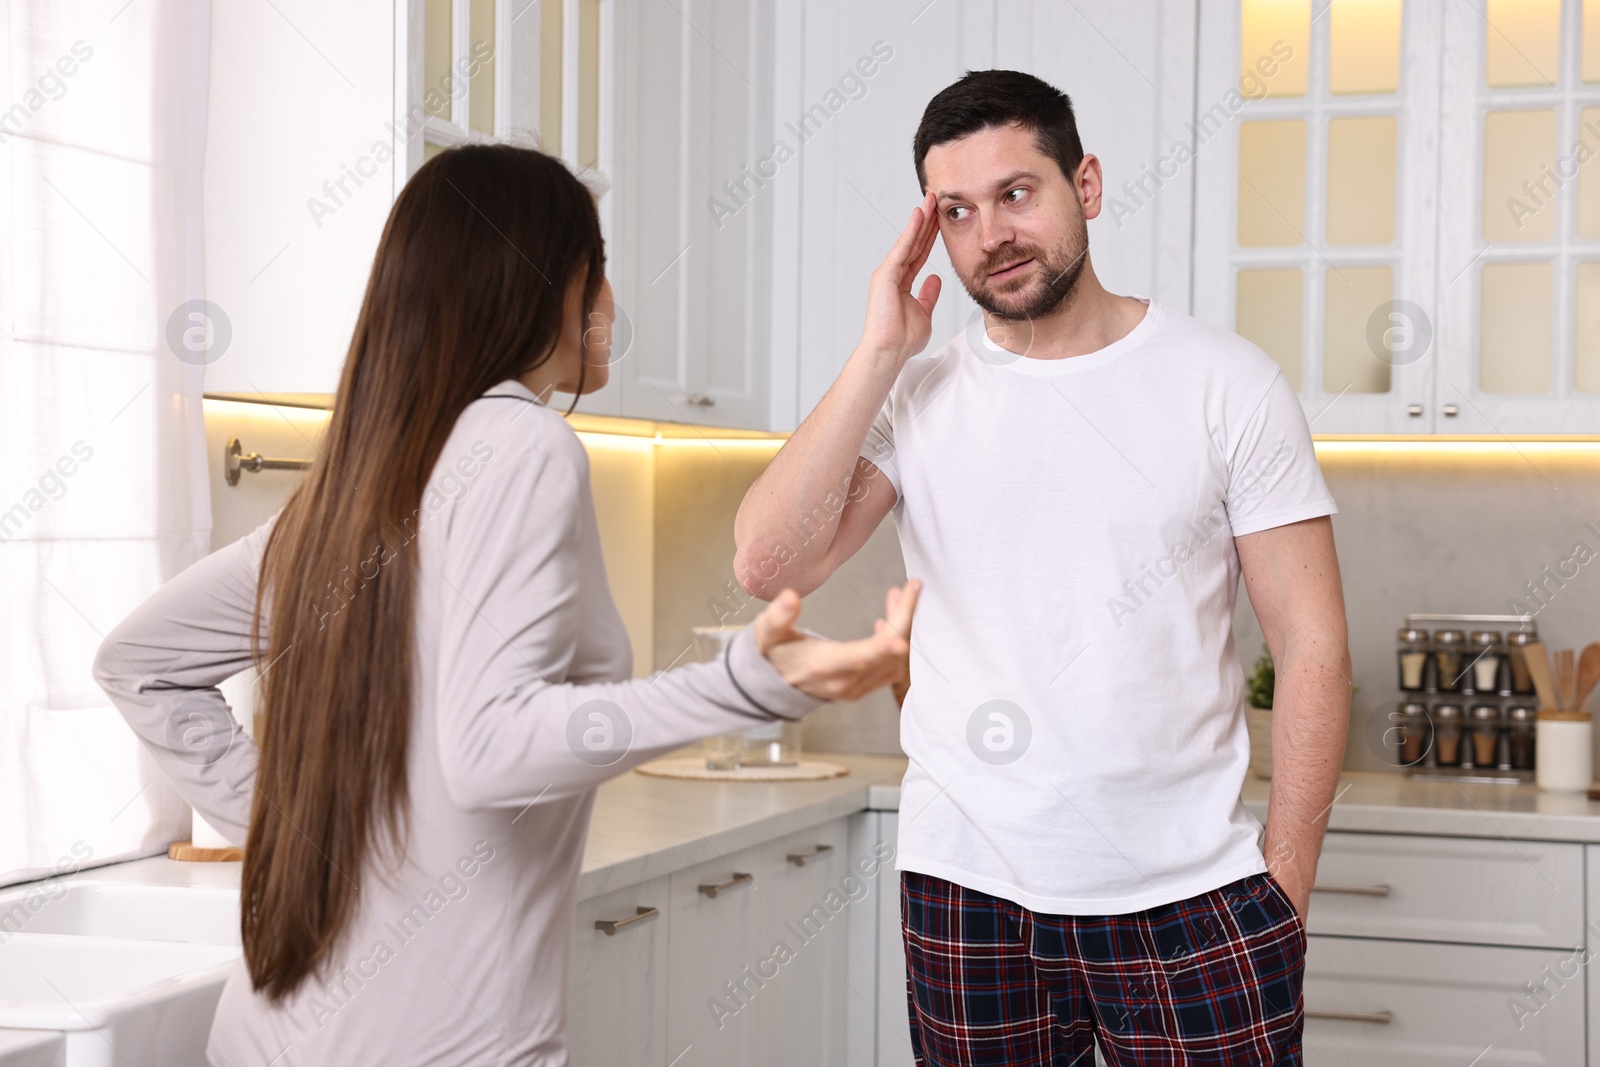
[806, 894]
[1591, 938]
[859, 183]
[1315, 232]
[693, 209]
[617, 990]
[1416, 1005]
[715, 991]
[1519, 234]
[894, 1028]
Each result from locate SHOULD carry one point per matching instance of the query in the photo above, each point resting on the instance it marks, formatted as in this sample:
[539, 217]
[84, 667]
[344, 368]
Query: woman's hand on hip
[838, 670]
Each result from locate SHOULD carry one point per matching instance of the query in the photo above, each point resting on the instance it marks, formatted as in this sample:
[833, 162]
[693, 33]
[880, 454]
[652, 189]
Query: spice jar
[1447, 648]
[1484, 666]
[1413, 655]
[1447, 729]
[1485, 720]
[1517, 657]
[1413, 742]
[1521, 730]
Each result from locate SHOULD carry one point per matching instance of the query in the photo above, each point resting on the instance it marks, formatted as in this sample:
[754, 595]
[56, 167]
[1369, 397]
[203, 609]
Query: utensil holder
[1564, 756]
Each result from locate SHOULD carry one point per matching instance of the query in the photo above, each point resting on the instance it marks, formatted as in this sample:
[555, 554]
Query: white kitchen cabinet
[740, 960]
[1281, 261]
[803, 927]
[1405, 1004]
[894, 1029]
[1591, 942]
[1459, 889]
[617, 989]
[296, 186]
[1519, 311]
[690, 260]
[714, 990]
[1463, 234]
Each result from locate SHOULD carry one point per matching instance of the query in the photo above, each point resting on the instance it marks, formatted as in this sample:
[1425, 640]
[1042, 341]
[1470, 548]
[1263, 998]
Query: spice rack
[1466, 699]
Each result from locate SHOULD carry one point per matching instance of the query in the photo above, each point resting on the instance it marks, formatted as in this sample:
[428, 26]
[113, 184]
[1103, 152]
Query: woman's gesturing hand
[838, 670]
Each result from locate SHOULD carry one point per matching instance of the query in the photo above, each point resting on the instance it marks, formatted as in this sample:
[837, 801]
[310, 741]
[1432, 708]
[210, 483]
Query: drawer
[1525, 893]
[1398, 1004]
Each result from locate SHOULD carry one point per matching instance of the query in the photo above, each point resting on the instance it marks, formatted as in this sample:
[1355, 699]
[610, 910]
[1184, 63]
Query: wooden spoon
[1539, 667]
[1588, 673]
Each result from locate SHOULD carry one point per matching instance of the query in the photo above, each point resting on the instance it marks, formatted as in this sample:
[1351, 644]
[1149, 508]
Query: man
[1080, 484]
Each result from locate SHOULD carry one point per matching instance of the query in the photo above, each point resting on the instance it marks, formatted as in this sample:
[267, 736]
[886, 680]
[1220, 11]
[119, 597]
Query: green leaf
[1262, 680]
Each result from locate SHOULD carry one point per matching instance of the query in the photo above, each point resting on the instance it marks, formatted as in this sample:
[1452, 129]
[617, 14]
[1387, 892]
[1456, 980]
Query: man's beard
[1057, 275]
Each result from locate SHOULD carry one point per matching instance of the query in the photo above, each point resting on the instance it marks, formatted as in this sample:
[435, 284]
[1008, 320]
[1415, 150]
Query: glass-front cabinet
[1519, 194]
[1395, 202]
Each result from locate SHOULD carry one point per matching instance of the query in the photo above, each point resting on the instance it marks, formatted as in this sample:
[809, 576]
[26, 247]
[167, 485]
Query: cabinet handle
[1358, 890]
[1414, 410]
[799, 858]
[700, 400]
[1450, 411]
[610, 926]
[737, 879]
[1351, 1016]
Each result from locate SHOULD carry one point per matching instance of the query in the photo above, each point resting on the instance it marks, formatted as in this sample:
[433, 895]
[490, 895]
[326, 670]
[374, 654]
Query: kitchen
[1395, 201]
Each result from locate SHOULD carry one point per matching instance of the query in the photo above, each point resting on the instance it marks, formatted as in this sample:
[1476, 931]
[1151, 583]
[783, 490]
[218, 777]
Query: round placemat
[694, 767]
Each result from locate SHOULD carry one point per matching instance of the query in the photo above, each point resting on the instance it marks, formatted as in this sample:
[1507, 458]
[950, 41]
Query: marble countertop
[1390, 802]
[643, 827]
[646, 827]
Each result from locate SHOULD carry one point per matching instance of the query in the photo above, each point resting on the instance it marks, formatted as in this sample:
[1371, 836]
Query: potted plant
[1258, 714]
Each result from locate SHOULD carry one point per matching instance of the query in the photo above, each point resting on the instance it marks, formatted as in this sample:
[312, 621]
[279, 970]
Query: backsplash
[698, 491]
[1421, 528]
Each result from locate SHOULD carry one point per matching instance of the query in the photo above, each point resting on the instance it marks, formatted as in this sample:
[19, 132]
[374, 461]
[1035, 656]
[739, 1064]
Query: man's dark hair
[983, 99]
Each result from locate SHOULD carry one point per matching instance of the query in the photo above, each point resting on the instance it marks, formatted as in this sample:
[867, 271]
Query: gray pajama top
[524, 703]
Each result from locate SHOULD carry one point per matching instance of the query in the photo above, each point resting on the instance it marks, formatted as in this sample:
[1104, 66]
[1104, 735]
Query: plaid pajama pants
[1214, 979]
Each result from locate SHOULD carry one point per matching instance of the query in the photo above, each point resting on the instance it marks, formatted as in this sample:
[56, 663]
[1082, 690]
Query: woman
[445, 676]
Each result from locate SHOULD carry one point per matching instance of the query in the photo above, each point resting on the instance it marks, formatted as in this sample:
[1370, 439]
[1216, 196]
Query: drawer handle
[737, 879]
[799, 858]
[1351, 1016]
[610, 926]
[1358, 890]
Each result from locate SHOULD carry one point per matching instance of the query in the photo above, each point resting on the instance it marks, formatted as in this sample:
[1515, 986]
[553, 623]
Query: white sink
[127, 974]
[123, 909]
[32, 1048]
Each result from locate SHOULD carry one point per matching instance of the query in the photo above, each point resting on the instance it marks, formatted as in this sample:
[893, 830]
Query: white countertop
[646, 827]
[1389, 802]
[642, 826]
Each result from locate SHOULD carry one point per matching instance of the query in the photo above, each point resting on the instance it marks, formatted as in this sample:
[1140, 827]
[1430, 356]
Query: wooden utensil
[1561, 668]
[1588, 672]
[1539, 667]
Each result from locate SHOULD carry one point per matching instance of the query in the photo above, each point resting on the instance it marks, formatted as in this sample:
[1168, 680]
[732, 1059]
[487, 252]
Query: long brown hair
[468, 288]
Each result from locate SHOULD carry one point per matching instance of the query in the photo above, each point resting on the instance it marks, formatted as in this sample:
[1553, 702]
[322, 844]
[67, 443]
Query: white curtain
[103, 491]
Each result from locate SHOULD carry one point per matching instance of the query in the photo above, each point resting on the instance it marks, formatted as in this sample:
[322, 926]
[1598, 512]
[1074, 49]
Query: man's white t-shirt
[1075, 721]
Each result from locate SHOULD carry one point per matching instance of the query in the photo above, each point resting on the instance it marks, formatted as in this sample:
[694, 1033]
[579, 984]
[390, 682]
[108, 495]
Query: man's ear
[1087, 183]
